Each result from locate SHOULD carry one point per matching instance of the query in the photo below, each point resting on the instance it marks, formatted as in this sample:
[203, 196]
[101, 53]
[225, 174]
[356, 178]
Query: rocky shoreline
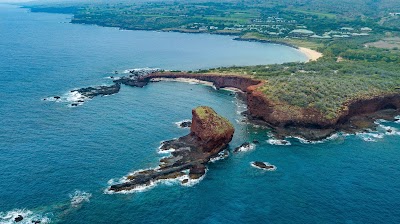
[306, 123]
[310, 124]
[209, 135]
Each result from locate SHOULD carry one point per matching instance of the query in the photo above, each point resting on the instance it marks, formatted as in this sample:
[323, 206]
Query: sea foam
[247, 148]
[28, 217]
[79, 197]
[178, 124]
[273, 141]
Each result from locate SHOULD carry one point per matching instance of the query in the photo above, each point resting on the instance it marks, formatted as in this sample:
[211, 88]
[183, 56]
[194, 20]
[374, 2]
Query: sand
[311, 54]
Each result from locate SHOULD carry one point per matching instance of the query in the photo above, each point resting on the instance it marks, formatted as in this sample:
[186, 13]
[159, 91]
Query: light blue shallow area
[49, 151]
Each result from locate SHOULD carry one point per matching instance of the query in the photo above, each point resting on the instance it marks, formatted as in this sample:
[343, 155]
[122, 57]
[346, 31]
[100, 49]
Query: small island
[209, 135]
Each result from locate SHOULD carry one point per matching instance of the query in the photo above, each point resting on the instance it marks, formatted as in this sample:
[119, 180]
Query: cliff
[210, 134]
[213, 131]
[285, 119]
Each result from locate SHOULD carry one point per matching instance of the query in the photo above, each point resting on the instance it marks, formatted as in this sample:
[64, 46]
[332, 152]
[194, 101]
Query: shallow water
[56, 161]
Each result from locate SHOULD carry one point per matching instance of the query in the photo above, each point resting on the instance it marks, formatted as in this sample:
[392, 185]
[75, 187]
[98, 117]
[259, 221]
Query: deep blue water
[49, 151]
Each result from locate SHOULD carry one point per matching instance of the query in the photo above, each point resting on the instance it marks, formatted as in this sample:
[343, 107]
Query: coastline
[312, 55]
[307, 123]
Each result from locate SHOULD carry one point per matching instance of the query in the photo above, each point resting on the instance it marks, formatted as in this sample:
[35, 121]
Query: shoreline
[312, 55]
[308, 123]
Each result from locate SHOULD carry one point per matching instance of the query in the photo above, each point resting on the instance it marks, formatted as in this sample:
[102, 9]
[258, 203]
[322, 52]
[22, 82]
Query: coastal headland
[355, 114]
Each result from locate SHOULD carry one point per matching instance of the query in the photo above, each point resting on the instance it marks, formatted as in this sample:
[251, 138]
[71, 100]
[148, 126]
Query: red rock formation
[219, 81]
[213, 131]
[284, 116]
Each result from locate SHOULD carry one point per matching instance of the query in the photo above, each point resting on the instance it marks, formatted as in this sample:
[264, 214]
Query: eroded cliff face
[219, 81]
[213, 131]
[308, 123]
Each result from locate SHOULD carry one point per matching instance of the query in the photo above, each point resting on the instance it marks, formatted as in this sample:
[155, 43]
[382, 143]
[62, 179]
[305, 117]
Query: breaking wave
[28, 216]
[273, 141]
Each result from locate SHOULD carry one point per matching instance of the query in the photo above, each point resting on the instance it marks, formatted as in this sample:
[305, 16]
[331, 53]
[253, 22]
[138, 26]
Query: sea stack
[213, 131]
[209, 134]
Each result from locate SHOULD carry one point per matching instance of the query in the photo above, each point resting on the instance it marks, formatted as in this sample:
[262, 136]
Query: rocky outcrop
[210, 134]
[311, 124]
[308, 123]
[213, 131]
[286, 120]
[263, 166]
[219, 81]
[91, 92]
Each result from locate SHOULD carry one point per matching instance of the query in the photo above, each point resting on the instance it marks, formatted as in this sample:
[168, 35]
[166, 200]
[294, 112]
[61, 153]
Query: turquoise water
[56, 161]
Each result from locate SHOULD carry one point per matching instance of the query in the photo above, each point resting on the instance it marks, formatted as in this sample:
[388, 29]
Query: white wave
[278, 142]
[165, 151]
[220, 156]
[146, 187]
[28, 217]
[370, 136]
[178, 124]
[192, 182]
[247, 148]
[140, 188]
[388, 130]
[74, 96]
[267, 164]
[79, 197]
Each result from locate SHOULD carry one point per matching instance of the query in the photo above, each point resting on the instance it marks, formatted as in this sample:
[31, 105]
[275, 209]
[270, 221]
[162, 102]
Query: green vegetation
[218, 124]
[324, 85]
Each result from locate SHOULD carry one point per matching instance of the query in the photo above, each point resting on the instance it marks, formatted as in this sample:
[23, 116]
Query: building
[301, 33]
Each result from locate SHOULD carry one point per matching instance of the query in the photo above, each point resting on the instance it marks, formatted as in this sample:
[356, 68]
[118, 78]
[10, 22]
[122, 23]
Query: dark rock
[389, 130]
[91, 92]
[185, 181]
[263, 165]
[197, 171]
[36, 221]
[244, 145]
[185, 124]
[19, 218]
[74, 104]
[255, 141]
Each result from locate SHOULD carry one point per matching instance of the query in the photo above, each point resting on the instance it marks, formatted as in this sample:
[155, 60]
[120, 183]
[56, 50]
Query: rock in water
[210, 134]
[243, 147]
[263, 165]
[19, 218]
[185, 124]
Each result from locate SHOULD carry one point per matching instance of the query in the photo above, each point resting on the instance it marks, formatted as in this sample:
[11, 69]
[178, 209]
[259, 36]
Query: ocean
[56, 161]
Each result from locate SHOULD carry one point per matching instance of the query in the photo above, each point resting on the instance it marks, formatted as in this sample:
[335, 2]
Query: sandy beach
[311, 54]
